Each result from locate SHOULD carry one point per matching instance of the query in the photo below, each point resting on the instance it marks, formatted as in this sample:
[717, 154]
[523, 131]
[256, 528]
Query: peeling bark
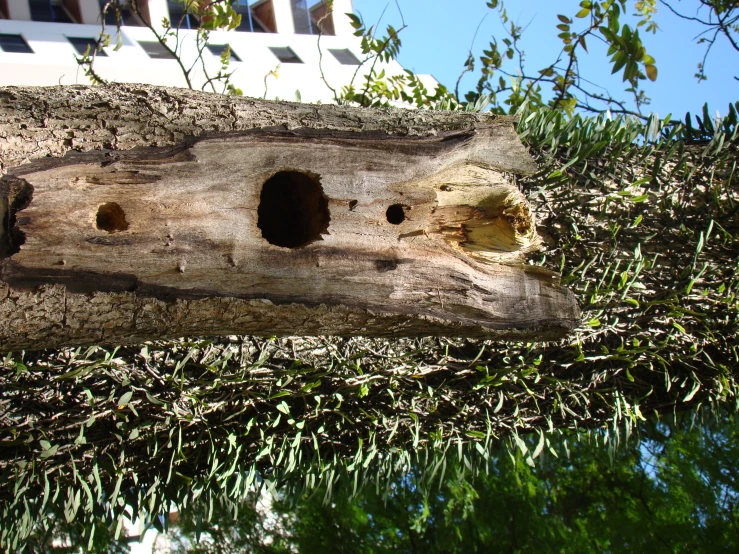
[135, 213]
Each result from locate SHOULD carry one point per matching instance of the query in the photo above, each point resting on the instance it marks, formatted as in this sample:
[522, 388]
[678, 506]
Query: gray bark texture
[135, 213]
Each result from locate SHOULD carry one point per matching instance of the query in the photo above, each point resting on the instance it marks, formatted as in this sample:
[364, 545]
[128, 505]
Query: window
[218, 49]
[256, 17]
[82, 43]
[285, 54]
[312, 20]
[156, 50]
[322, 18]
[50, 10]
[123, 8]
[344, 56]
[14, 43]
[301, 17]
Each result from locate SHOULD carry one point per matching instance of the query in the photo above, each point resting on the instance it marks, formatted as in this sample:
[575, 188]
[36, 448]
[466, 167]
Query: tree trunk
[136, 213]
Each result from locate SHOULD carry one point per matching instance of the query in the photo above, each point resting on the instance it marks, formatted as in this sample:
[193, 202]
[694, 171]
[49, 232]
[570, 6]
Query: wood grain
[244, 216]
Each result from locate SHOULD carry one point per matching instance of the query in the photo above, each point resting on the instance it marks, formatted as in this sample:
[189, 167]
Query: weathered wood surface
[134, 213]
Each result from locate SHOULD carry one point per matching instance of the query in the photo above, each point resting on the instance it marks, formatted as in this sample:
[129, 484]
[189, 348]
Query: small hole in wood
[293, 211]
[11, 236]
[111, 218]
[396, 214]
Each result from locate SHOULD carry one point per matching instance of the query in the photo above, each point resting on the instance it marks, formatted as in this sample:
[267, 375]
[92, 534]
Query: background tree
[673, 491]
[211, 15]
[56, 535]
[509, 71]
[250, 527]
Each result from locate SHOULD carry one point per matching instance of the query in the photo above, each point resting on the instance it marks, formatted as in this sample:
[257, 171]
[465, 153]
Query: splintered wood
[162, 213]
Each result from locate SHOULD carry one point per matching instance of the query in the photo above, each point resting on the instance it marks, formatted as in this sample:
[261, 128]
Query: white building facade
[275, 50]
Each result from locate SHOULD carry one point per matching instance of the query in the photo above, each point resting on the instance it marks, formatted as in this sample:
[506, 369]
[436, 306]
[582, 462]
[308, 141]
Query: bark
[135, 213]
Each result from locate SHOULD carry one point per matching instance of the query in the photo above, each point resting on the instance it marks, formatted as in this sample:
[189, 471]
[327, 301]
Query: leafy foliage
[506, 82]
[55, 535]
[505, 79]
[673, 491]
[212, 15]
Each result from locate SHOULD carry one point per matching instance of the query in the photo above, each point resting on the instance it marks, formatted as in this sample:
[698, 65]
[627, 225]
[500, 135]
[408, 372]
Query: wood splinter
[310, 220]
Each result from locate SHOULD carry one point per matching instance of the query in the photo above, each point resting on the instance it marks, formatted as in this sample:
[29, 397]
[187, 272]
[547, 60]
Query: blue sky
[439, 35]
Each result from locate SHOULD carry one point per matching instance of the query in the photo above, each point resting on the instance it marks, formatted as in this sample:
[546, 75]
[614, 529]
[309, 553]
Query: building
[274, 52]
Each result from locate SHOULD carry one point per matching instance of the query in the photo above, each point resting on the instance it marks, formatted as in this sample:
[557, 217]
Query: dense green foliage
[640, 219]
[675, 491]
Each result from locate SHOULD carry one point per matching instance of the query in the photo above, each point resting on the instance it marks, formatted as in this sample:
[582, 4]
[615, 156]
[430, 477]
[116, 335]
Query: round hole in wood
[395, 214]
[293, 211]
[111, 218]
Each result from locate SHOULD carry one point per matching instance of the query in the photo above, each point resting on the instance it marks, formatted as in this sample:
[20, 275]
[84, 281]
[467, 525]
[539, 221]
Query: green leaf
[583, 13]
[651, 72]
[124, 399]
[49, 452]
[521, 445]
[620, 61]
[354, 21]
[691, 394]
[540, 445]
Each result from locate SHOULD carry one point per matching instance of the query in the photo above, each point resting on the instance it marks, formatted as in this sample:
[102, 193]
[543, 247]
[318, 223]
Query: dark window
[218, 49]
[322, 19]
[14, 43]
[310, 20]
[285, 54]
[256, 26]
[122, 7]
[49, 10]
[344, 55]
[156, 50]
[247, 21]
[81, 44]
[301, 17]
[257, 17]
[179, 18]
